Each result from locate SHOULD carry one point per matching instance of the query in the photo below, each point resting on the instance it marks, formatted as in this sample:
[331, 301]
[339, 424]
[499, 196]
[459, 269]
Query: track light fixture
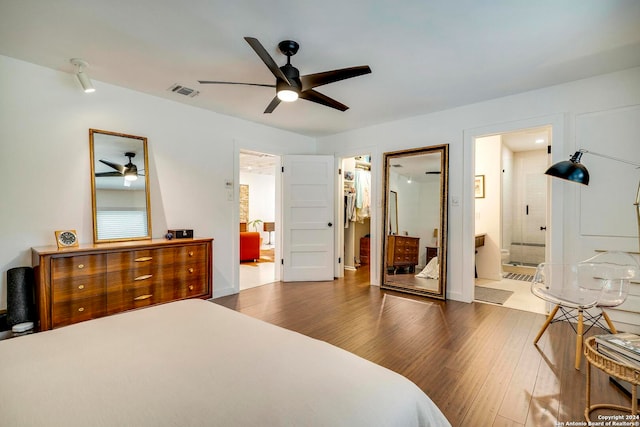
[82, 75]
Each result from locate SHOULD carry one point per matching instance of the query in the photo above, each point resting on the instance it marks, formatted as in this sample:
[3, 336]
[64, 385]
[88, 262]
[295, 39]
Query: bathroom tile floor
[522, 298]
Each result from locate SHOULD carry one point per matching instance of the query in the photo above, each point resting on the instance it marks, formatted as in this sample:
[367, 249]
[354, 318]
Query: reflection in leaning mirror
[119, 186]
[415, 246]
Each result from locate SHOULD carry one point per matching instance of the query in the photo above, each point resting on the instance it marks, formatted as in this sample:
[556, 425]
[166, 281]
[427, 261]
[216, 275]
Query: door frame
[555, 202]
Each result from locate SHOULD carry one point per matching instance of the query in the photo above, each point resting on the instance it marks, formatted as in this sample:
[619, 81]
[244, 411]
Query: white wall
[262, 199]
[44, 162]
[560, 105]
[487, 209]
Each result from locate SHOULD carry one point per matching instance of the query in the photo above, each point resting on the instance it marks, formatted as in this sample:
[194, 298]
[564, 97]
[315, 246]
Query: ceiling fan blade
[266, 58]
[313, 96]
[115, 166]
[209, 82]
[102, 174]
[318, 79]
[272, 105]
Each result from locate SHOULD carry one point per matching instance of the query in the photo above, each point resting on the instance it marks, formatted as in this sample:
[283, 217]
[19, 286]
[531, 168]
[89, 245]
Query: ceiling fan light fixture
[130, 176]
[287, 95]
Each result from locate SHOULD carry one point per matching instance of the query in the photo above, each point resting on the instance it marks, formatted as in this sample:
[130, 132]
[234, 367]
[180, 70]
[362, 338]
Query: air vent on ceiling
[182, 90]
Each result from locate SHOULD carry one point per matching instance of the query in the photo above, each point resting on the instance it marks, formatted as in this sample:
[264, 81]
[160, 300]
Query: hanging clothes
[349, 208]
[363, 194]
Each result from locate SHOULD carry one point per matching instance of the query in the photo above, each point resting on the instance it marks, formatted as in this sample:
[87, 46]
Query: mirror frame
[443, 149]
[143, 140]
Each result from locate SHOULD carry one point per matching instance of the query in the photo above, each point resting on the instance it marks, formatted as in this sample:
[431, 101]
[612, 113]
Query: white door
[308, 218]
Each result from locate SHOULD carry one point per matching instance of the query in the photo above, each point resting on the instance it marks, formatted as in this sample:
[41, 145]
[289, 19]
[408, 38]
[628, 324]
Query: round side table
[615, 369]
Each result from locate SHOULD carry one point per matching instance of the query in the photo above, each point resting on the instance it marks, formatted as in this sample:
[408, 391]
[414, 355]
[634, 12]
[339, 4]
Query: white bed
[195, 363]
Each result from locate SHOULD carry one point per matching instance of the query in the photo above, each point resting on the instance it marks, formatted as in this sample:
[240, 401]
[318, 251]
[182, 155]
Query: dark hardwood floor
[476, 361]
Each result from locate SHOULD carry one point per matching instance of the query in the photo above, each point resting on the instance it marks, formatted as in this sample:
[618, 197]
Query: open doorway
[511, 215]
[355, 211]
[258, 218]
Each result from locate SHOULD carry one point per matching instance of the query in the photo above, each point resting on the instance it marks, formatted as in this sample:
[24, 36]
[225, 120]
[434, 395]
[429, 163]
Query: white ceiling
[425, 56]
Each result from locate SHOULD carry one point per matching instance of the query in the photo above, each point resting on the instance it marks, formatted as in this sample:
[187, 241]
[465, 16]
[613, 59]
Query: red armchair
[249, 245]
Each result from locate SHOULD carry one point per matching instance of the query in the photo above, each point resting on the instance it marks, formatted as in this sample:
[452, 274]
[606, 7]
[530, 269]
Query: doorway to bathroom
[511, 210]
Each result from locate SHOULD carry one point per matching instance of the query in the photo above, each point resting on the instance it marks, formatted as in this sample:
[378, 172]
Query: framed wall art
[478, 186]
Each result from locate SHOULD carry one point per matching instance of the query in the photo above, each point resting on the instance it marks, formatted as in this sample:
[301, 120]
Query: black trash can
[20, 296]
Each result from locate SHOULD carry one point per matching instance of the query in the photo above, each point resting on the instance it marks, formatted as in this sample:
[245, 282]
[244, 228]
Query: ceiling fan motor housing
[293, 75]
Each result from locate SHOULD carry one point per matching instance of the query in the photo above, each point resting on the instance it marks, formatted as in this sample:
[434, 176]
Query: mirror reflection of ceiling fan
[129, 171]
[290, 85]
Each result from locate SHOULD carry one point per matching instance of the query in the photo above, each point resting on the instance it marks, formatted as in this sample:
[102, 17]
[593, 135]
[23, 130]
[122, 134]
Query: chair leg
[579, 332]
[546, 323]
[612, 328]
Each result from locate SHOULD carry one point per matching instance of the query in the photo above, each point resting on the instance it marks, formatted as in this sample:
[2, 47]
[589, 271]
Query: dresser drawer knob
[144, 277]
[81, 309]
[190, 253]
[81, 266]
[191, 270]
[190, 287]
[143, 259]
[81, 287]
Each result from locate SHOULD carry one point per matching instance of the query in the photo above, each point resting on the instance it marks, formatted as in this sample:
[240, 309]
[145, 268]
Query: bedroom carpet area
[476, 361]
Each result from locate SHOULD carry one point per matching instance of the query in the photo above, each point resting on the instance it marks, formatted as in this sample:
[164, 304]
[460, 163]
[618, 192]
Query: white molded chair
[599, 282]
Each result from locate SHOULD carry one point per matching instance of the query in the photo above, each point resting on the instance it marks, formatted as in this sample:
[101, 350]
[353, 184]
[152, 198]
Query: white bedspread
[195, 363]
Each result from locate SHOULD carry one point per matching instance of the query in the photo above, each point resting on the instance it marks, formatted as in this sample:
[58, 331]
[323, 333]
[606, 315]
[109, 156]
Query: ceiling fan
[290, 85]
[128, 171]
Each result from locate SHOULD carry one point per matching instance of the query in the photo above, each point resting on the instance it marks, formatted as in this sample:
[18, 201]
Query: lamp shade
[571, 170]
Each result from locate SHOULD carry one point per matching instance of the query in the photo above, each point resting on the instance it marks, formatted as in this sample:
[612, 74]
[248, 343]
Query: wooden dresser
[364, 250]
[95, 280]
[402, 251]
[432, 252]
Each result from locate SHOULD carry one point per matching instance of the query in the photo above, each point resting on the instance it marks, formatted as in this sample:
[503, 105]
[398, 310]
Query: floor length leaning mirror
[415, 222]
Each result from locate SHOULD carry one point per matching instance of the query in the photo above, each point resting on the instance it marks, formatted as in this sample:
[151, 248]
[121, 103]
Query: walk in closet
[356, 176]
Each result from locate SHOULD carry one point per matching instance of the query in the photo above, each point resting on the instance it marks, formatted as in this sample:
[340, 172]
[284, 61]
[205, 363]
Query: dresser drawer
[78, 288]
[190, 254]
[69, 268]
[134, 297]
[188, 285]
[73, 311]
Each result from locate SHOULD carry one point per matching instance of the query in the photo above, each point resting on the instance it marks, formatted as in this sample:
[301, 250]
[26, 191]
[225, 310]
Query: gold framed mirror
[416, 183]
[119, 186]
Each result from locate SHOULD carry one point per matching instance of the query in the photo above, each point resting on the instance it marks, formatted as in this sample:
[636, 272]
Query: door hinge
[548, 149]
[282, 261]
[282, 168]
[339, 260]
[339, 171]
